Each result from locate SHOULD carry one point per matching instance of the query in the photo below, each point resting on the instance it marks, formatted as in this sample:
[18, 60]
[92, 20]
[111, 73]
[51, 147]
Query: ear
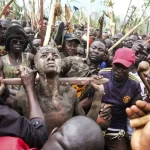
[35, 68]
[106, 56]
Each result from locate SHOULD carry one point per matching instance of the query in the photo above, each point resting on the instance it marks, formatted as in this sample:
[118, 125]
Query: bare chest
[60, 106]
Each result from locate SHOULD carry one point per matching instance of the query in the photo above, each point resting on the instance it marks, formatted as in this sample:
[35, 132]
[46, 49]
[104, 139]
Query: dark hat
[71, 37]
[15, 31]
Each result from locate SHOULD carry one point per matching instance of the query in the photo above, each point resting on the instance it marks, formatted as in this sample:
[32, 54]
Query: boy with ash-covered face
[58, 103]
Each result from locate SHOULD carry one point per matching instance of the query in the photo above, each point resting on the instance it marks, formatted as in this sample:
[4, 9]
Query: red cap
[124, 56]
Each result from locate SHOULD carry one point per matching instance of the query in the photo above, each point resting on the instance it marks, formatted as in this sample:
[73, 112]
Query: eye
[93, 47]
[43, 56]
[100, 49]
[56, 56]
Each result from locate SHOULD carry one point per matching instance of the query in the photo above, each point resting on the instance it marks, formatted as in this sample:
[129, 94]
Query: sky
[120, 6]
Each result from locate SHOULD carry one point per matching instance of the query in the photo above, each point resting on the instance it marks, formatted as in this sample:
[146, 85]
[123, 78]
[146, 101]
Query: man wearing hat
[122, 91]
[70, 45]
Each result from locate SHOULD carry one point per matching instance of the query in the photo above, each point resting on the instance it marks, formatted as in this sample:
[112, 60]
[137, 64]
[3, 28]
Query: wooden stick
[146, 42]
[124, 37]
[63, 81]
[50, 23]
[72, 16]
[88, 30]
[127, 12]
[144, 11]
[5, 8]
[144, 67]
[133, 11]
[41, 20]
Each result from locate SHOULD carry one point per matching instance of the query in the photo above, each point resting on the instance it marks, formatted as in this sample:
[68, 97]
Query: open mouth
[93, 56]
[51, 64]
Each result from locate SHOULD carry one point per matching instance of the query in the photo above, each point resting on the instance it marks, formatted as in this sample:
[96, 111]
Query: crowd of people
[41, 113]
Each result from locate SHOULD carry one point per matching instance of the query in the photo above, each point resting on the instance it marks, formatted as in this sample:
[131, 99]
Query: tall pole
[127, 12]
[41, 21]
[144, 11]
[88, 30]
[127, 34]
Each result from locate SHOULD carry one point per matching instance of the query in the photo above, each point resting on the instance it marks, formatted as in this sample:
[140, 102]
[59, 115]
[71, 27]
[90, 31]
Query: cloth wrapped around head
[15, 31]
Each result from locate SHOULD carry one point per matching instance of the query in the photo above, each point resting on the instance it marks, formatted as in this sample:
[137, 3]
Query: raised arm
[96, 104]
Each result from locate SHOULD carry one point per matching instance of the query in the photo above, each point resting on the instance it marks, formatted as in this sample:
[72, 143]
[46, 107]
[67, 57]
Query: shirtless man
[58, 103]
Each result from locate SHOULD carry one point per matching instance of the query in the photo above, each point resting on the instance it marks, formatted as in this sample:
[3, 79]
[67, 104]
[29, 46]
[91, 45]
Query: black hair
[101, 40]
[33, 40]
[45, 18]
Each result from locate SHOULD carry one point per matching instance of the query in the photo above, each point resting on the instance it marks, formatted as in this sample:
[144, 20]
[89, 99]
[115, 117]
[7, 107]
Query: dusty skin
[59, 103]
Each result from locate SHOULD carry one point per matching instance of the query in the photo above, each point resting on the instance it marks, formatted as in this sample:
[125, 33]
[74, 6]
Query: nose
[95, 50]
[119, 69]
[18, 42]
[72, 47]
[50, 57]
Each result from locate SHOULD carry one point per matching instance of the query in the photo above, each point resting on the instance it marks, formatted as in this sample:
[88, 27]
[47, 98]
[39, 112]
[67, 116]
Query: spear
[5, 8]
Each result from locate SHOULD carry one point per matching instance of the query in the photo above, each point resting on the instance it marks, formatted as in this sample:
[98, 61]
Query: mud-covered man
[58, 103]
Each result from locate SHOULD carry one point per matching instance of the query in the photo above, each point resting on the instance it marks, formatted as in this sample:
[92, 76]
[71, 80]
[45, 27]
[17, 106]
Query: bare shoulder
[68, 91]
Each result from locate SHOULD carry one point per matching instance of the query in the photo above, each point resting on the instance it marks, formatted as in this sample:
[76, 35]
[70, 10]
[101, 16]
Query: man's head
[45, 23]
[131, 40]
[140, 51]
[92, 32]
[79, 33]
[78, 133]
[97, 51]
[109, 43]
[48, 61]
[35, 45]
[29, 32]
[70, 45]
[122, 62]
[80, 51]
[116, 38]
[125, 42]
[105, 35]
[4, 26]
